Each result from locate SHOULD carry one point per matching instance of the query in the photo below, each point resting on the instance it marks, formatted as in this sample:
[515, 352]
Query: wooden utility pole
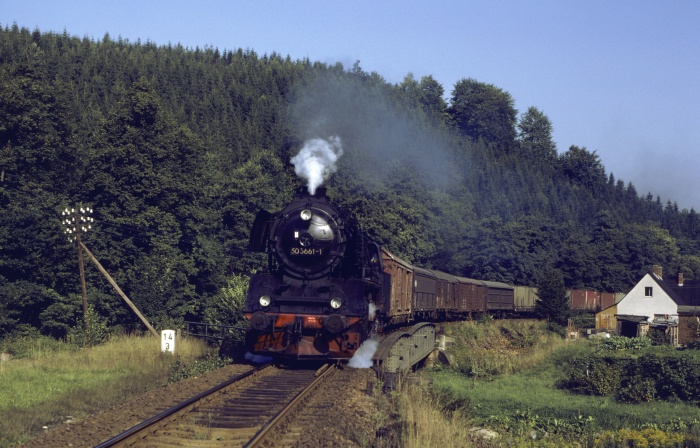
[77, 222]
[119, 290]
[82, 272]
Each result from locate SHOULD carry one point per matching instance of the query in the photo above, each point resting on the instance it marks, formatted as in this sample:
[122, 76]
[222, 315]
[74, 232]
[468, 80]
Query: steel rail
[271, 424]
[177, 408]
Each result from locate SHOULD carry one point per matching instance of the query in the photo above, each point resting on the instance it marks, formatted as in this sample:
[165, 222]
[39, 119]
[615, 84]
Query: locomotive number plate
[305, 251]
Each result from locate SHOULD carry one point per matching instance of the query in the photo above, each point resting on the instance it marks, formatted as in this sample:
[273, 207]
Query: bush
[692, 345]
[638, 380]
[226, 309]
[625, 343]
[583, 319]
[639, 438]
[659, 336]
[592, 375]
[637, 389]
[181, 370]
[90, 332]
[557, 329]
[526, 421]
[26, 344]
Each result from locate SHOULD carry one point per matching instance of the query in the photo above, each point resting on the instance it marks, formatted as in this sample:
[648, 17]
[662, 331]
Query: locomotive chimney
[680, 279]
[658, 271]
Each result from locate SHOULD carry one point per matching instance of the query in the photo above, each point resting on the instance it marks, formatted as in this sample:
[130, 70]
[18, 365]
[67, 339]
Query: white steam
[372, 310]
[316, 160]
[256, 359]
[362, 359]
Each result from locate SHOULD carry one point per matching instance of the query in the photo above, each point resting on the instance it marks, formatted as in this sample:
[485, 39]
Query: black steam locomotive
[324, 278]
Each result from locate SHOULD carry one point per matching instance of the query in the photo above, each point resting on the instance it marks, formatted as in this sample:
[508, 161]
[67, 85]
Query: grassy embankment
[53, 381]
[507, 379]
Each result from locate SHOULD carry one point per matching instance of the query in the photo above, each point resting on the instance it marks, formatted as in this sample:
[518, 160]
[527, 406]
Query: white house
[655, 302]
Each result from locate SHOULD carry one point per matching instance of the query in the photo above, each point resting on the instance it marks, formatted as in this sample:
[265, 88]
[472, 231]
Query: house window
[648, 291]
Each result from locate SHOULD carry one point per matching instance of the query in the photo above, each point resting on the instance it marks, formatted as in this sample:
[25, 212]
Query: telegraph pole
[78, 222]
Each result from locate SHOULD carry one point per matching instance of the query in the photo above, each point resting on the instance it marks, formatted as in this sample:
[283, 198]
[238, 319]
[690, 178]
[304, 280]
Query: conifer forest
[176, 149]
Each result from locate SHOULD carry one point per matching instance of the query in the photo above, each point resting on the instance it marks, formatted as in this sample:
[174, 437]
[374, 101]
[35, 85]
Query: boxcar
[585, 299]
[525, 298]
[607, 299]
[471, 296]
[424, 292]
[499, 296]
[445, 293]
[398, 288]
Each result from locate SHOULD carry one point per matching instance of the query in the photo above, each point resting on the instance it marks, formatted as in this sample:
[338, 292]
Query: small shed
[605, 319]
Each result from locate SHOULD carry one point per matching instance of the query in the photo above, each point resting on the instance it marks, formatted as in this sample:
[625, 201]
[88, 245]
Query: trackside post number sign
[167, 341]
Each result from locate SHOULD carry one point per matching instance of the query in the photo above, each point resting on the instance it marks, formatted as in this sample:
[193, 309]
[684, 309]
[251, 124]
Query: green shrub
[676, 376]
[692, 345]
[625, 343]
[659, 336]
[28, 344]
[557, 329]
[639, 438]
[641, 380]
[91, 331]
[583, 319]
[592, 375]
[181, 370]
[525, 421]
[637, 389]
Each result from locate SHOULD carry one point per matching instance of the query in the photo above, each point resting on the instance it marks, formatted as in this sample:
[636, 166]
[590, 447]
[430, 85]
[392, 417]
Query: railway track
[246, 410]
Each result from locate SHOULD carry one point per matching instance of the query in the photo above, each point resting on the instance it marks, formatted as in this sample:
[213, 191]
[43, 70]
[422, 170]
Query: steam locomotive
[324, 278]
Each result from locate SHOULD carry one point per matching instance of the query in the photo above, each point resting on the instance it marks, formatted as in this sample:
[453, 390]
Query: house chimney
[680, 279]
[658, 271]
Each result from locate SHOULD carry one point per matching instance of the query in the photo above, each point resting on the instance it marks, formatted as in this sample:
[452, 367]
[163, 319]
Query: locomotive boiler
[323, 276]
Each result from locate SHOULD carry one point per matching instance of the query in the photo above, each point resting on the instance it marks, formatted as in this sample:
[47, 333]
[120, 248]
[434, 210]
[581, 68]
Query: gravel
[353, 413]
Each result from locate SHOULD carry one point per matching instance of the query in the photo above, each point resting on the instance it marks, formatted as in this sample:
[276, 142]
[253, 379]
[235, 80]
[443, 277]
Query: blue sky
[621, 78]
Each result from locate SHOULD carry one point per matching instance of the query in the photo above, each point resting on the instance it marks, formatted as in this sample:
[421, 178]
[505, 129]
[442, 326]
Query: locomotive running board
[401, 351]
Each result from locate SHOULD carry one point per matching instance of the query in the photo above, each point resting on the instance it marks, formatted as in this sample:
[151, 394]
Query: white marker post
[167, 341]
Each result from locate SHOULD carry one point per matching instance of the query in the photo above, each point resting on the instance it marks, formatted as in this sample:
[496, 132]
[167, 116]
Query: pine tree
[553, 304]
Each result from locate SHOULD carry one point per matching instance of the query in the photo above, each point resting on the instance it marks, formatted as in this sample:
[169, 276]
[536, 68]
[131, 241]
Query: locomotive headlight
[306, 214]
[265, 300]
[336, 303]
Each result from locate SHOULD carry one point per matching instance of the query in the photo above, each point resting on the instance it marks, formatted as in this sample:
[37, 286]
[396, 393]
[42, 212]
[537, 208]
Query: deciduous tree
[484, 111]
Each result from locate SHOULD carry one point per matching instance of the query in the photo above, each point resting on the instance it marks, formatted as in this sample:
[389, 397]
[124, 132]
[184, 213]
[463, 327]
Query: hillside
[176, 149]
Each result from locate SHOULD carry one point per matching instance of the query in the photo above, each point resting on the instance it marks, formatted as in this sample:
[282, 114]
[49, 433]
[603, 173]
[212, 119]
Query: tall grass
[507, 378]
[429, 421]
[482, 350]
[487, 348]
[51, 383]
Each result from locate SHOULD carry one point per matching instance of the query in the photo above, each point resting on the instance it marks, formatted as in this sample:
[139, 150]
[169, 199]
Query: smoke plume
[362, 359]
[381, 141]
[317, 160]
